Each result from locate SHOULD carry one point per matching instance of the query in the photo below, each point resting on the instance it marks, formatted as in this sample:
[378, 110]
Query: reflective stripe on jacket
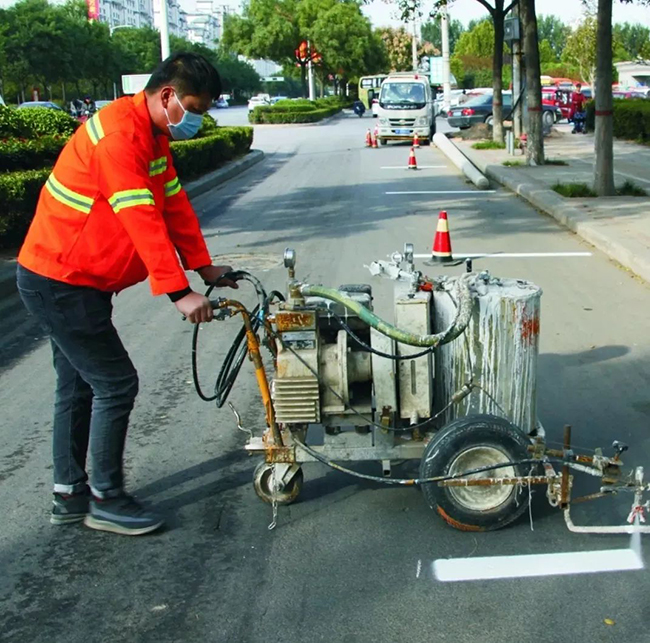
[113, 211]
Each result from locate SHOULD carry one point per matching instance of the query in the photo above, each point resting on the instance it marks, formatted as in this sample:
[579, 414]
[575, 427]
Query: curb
[216, 178]
[193, 189]
[460, 160]
[548, 201]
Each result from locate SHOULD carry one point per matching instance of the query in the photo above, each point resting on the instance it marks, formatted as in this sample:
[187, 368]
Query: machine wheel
[383, 141]
[469, 443]
[548, 118]
[262, 484]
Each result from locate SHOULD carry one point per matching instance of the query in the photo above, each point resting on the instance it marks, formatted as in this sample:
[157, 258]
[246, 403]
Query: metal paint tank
[498, 351]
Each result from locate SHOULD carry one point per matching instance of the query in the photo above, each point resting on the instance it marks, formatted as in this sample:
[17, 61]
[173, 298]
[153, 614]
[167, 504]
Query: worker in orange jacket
[111, 214]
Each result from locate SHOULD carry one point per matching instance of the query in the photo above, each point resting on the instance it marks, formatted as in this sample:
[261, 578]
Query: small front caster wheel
[284, 489]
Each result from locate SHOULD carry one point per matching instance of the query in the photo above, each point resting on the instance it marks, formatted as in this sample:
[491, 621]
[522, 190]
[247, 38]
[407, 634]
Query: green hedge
[19, 193]
[33, 122]
[30, 154]
[19, 190]
[631, 118]
[274, 117]
[198, 156]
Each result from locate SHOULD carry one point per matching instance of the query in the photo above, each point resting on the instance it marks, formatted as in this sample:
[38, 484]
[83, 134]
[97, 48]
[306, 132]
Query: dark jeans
[96, 381]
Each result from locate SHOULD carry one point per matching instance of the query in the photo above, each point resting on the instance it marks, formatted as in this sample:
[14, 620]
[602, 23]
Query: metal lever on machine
[620, 448]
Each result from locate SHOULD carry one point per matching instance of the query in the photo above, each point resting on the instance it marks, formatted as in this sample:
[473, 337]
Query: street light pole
[414, 45]
[111, 31]
[446, 73]
[164, 29]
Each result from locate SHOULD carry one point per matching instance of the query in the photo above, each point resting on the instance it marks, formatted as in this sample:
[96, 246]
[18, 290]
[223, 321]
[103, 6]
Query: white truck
[406, 107]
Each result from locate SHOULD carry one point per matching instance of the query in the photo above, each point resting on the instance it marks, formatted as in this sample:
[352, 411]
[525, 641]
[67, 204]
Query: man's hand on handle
[210, 274]
[195, 307]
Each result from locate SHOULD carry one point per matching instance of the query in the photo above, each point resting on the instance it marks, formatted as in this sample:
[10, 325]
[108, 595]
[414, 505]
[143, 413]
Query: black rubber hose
[236, 354]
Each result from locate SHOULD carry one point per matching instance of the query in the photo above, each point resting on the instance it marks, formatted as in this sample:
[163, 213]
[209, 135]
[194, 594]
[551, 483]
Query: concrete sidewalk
[618, 226]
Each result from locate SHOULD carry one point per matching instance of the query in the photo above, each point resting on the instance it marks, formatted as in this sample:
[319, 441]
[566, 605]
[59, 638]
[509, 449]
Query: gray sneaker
[121, 515]
[67, 509]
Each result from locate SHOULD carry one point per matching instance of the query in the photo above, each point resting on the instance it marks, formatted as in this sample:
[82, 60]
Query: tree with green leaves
[431, 32]
[398, 48]
[552, 30]
[497, 10]
[631, 41]
[580, 49]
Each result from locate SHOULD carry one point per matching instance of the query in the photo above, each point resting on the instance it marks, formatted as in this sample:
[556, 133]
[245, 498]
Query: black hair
[189, 74]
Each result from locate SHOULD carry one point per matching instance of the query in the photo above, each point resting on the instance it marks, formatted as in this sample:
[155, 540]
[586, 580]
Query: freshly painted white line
[629, 176]
[419, 569]
[493, 567]
[420, 167]
[476, 192]
[511, 255]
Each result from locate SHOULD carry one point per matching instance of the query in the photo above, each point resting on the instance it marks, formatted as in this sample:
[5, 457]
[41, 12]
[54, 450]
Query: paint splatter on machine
[452, 384]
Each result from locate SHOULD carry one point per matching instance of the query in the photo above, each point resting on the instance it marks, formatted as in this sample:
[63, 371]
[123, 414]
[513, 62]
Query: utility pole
[516, 78]
[446, 73]
[414, 44]
[164, 29]
[310, 74]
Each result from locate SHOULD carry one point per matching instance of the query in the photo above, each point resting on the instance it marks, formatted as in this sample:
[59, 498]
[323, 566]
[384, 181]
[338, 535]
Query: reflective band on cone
[441, 251]
[413, 164]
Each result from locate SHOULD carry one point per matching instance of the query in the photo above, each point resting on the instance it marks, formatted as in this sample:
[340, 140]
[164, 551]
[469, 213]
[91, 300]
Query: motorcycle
[359, 108]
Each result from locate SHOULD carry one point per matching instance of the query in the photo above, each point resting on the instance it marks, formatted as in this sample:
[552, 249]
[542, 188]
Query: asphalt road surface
[342, 564]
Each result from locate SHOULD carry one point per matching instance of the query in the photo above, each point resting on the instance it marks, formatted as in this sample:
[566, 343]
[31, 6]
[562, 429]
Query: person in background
[578, 109]
[111, 214]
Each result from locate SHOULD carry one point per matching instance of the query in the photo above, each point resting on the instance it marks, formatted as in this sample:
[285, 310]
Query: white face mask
[187, 127]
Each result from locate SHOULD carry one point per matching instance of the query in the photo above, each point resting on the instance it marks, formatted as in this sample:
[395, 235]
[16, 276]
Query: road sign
[134, 83]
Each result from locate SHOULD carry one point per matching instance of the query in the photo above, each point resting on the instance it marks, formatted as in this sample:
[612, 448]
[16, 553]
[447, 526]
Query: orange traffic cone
[374, 140]
[416, 140]
[413, 164]
[441, 251]
[368, 138]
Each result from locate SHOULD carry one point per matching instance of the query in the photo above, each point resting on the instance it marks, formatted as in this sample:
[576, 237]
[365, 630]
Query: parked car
[478, 109]
[102, 103]
[275, 99]
[257, 101]
[39, 103]
[374, 107]
[222, 103]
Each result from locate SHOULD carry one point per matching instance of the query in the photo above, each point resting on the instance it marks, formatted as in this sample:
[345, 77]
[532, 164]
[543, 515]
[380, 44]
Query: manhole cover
[247, 261]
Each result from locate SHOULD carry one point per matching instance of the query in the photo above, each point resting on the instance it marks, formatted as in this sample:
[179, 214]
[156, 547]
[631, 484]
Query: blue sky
[383, 13]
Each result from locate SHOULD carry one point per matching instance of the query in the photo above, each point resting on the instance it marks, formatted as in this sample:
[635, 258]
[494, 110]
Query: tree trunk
[604, 139]
[497, 75]
[535, 139]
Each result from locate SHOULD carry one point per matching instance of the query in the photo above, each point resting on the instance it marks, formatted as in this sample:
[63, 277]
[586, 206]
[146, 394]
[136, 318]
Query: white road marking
[511, 255]
[629, 176]
[420, 167]
[419, 569]
[494, 567]
[476, 192]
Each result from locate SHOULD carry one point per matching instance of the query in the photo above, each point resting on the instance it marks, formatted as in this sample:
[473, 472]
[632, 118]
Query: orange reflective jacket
[113, 210]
